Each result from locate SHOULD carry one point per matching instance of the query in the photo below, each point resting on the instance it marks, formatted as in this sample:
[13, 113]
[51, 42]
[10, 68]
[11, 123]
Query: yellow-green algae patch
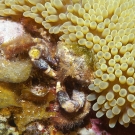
[32, 112]
[82, 51]
[7, 96]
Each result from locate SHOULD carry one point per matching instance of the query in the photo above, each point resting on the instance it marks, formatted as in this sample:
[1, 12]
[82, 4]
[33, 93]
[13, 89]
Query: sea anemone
[107, 28]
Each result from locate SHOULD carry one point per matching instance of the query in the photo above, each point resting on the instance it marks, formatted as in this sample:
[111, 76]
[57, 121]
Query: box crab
[69, 65]
[66, 63]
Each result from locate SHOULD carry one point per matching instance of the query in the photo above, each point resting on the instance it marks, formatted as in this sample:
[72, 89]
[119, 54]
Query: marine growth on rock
[105, 26]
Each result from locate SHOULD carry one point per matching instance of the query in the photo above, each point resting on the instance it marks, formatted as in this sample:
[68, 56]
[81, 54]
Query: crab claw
[72, 104]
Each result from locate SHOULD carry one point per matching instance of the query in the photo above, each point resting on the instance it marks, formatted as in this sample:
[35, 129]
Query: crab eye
[34, 53]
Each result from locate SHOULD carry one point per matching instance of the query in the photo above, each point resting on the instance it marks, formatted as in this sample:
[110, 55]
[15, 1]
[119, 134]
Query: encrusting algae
[107, 27]
[6, 92]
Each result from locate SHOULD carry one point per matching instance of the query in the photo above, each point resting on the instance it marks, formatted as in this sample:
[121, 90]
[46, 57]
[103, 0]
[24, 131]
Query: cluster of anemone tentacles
[105, 26]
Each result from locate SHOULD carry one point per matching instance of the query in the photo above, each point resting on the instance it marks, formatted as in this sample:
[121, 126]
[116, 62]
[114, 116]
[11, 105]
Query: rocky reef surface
[32, 64]
[44, 84]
